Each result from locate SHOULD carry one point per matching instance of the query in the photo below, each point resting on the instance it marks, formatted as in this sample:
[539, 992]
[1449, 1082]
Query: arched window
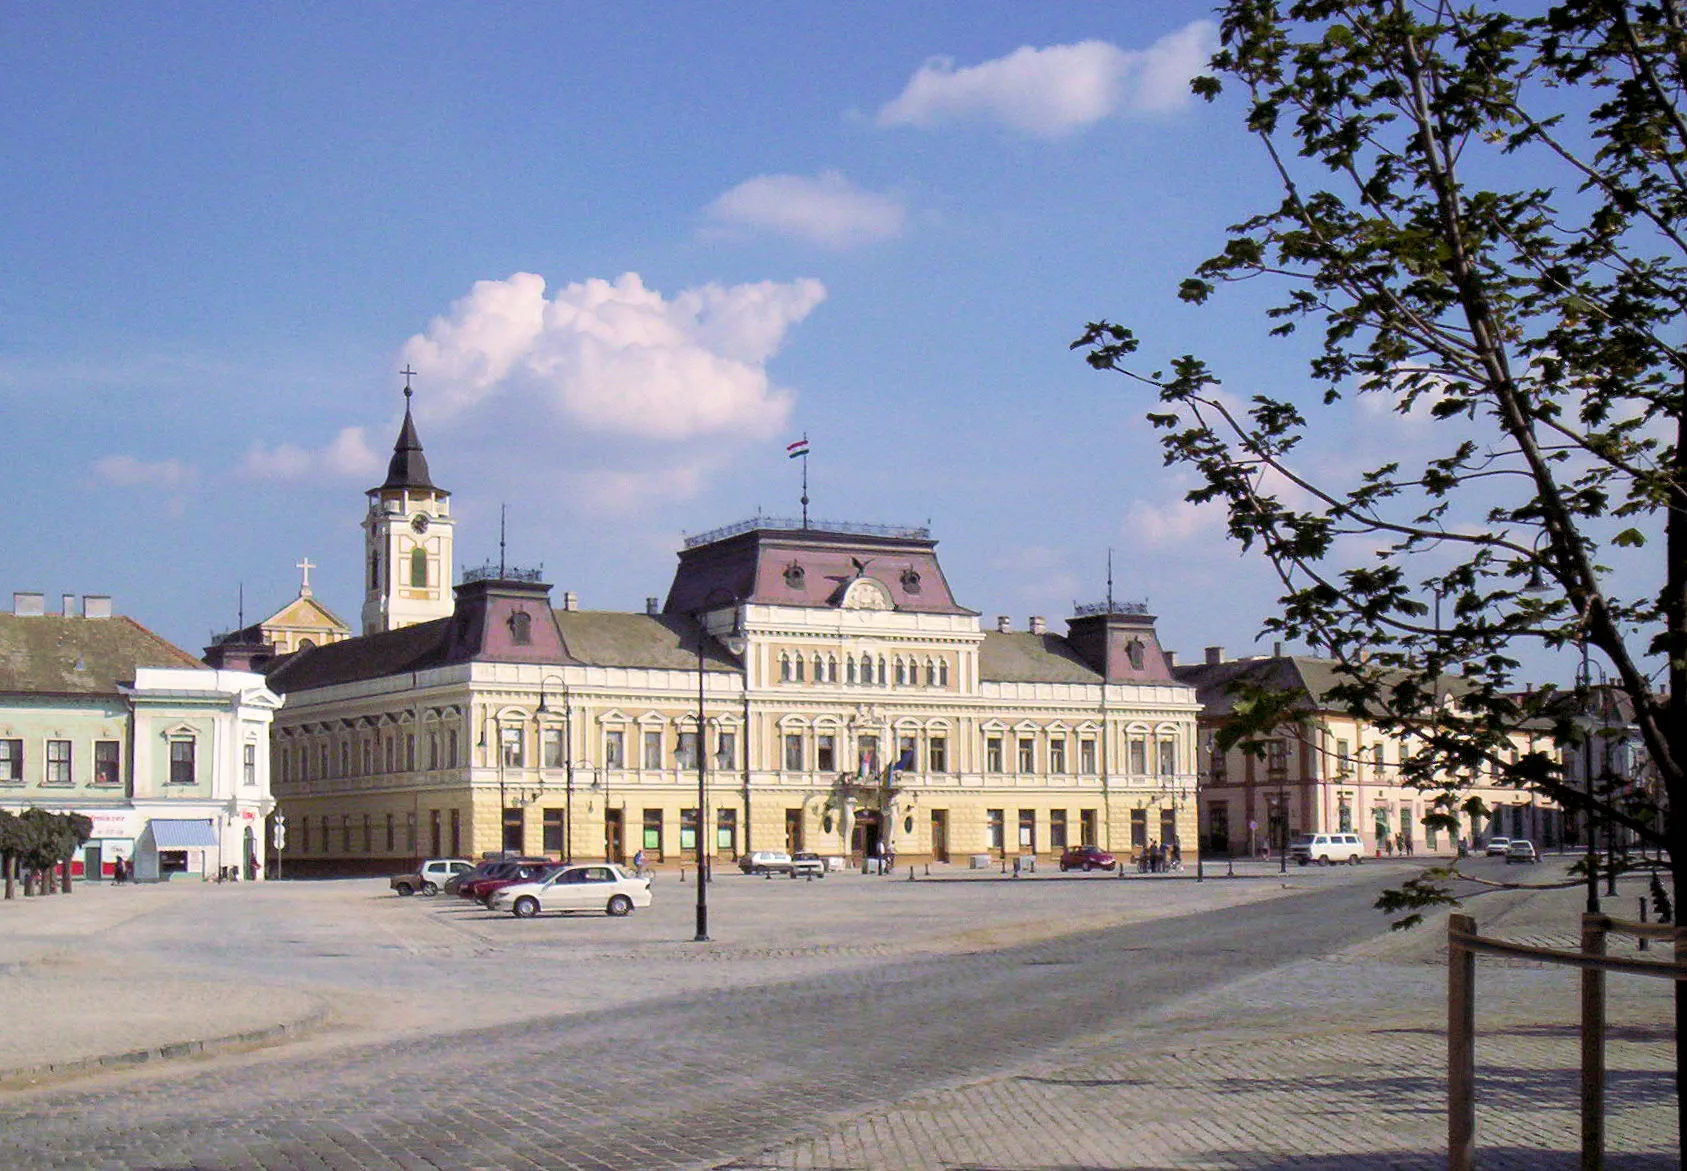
[901, 672]
[831, 668]
[866, 668]
[419, 567]
[943, 674]
[784, 667]
[375, 570]
[849, 668]
[884, 676]
[798, 664]
[931, 673]
[819, 670]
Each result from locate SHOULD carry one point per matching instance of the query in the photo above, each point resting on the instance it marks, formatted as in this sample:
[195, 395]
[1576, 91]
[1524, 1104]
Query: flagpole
[805, 480]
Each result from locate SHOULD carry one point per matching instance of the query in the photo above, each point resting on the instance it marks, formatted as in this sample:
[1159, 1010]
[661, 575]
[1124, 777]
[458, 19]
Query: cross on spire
[307, 565]
[408, 373]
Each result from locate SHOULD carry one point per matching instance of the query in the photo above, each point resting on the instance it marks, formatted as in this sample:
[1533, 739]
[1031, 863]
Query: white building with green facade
[167, 757]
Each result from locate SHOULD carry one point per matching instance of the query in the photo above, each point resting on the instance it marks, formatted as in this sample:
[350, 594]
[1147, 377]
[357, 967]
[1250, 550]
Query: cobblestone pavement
[1289, 1034]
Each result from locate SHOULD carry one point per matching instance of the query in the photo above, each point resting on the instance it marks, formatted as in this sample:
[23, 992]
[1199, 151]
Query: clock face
[420, 524]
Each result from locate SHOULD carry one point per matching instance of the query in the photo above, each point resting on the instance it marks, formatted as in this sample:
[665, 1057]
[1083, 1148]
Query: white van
[1327, 848]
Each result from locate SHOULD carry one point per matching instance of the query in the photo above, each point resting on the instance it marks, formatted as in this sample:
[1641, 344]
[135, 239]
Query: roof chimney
[1171, 658]
[69, 610]
[1038, 624]
[28, 604]
[1004, 624]
[96, 605]
[653, 606]
[1215, 656]
[570, 600]
[1277, 650]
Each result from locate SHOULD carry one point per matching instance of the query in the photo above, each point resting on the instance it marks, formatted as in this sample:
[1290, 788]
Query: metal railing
[491, 572]
[1464, 945]
[789, 523]
[1088, 609]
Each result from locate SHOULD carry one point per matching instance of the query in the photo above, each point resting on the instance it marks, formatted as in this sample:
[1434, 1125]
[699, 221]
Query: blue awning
[182, 835]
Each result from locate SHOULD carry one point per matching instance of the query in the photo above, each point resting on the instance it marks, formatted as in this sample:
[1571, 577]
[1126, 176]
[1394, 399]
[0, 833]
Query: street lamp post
[1582, 681]
[734, 643]
[567, 760]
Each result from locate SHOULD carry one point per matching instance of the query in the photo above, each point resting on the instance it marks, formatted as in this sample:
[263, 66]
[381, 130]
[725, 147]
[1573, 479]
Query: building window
[392, 843]
[653, 750]
[521, 628]
[513, 828]
[826, 753]
[410, 752]
[615, 749]
[1086, 757]
[1139, 828]
[551, 838]
[907, 753]
[434, 834]
[1168, 757]
[419, 567]
[1343, 767]
[993, 829]
[798, 665]
[322, 761]
[410, 832]
[901, 672]
[1027, 755]
[1376, 763]
[456, 833]
[181, 760]
[390, 747]
[107, 767]
[1087, 822]
[784, 668]
[943, 674]
[368, 834]
[937, 754]
[688, 830]
[433, 751]
[1277, 756]
[1027, 831]
[1057, 829]
[726, 750]
[687, 754]
[849, 668]
[831, 668]
[515, 751]
[248, 764]
[867, 754]
[1218, 826]
[304, 835]
[993, 754]
[1168, 827]
[652, 840]
[1057, 754]
[884, 678]
[1138, 758]
[819, 670]
[553, 748]
[726, 832]
[58, 762]
[451, 748]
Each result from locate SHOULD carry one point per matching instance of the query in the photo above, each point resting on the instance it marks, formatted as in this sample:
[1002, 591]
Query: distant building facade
[1333, 773]
[850, 705]
[102, 717]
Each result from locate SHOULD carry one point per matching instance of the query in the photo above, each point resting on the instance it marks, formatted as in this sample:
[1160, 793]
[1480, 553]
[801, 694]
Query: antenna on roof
[502, 509]
[1109, 580]
[240, 623]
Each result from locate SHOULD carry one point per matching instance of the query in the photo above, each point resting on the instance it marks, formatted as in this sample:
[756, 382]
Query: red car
[500, 874]
[1087, 858]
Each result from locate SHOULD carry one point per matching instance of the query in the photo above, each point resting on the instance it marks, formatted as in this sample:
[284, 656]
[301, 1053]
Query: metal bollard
[910, 874]
[928, 869]
[1642, 941]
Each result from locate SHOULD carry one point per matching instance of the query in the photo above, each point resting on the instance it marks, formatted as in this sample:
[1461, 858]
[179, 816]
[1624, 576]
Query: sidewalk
[1223, 1082]
[72, 1009]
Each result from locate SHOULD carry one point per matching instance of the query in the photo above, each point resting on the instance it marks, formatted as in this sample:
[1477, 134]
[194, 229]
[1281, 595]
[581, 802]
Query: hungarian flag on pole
[800, 447]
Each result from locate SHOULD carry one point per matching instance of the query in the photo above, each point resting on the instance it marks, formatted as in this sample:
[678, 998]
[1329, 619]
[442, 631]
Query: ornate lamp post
[567, 760]
[735, 643]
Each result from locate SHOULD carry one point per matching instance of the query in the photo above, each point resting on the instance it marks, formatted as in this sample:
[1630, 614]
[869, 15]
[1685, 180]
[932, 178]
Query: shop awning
[170, 834]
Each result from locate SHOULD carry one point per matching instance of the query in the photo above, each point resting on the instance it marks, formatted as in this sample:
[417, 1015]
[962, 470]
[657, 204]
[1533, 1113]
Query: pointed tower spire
[409, 467]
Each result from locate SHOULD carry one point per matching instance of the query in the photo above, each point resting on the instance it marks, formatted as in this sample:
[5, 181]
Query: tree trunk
[10, 865]
[66, 887]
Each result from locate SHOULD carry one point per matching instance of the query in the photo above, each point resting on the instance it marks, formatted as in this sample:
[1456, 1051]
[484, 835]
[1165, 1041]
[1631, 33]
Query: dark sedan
[1087, 858]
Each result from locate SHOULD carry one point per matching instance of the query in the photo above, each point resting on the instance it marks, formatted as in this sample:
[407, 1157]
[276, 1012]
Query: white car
[595, 886]
[1497, 847]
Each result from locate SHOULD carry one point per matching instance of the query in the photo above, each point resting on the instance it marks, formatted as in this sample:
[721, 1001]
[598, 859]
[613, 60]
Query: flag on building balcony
[800, 447]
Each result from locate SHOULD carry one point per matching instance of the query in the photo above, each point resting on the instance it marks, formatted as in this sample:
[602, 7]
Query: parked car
[430, 878]
[485, 888]
[597, 886]
[1498, 846]
[1087, 858]
[805, 863]
[491, 871]
[1521, 850]
[1327, 848]
[765, 862]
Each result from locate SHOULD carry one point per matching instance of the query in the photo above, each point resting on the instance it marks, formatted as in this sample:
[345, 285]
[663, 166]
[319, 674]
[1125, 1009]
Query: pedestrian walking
[117, 871]
[1177, 854]
[638, 863]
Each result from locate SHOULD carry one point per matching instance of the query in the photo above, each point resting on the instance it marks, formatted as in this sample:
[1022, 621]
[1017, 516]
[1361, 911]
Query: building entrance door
[614, 836]
[866, 834]
[793, 830]
[939, 835]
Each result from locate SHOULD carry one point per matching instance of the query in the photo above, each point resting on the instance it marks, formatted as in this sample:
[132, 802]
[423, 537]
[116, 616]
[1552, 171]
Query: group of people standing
[1161, 857]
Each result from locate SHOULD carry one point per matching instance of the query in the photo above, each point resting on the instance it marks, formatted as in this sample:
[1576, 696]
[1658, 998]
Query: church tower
[407, 540]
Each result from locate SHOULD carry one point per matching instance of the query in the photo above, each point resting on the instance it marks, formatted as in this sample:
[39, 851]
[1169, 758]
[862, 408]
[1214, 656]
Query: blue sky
[632, 250]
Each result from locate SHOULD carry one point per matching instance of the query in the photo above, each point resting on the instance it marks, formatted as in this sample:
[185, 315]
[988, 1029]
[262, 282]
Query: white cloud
[1059, 89]
[126, 471]
[827, 210]
[1172, 524]
[614, 358]
[347, 454]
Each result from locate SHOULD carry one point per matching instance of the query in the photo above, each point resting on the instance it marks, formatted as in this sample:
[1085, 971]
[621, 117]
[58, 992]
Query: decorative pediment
[614, 716]
[866, 593]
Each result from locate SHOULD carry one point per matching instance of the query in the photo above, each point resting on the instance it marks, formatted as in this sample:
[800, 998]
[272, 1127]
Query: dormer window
[1133, 651]
[910, 580]
[794, 576]
[521, 628]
